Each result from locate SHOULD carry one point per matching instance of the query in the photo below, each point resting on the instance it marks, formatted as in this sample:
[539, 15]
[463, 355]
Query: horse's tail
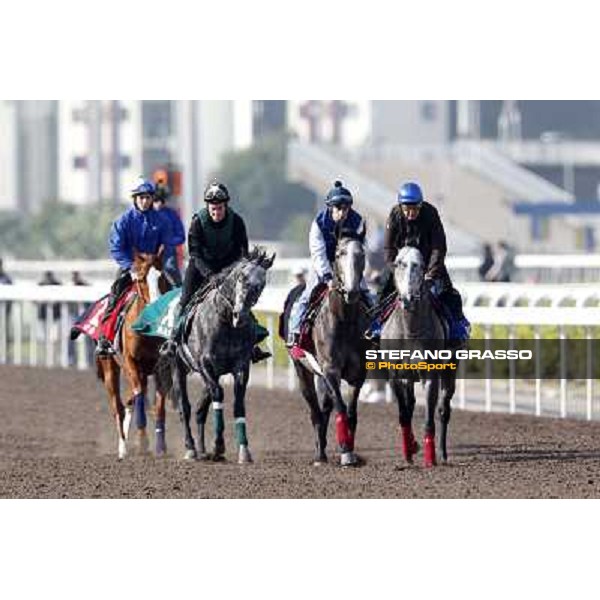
[165, 365]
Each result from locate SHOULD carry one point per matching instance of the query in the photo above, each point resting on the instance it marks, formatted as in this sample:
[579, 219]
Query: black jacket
[206, 259]
[426, 233]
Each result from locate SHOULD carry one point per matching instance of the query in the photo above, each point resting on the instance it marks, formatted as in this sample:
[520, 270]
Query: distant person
[4, 278]
[487, 262]
[504, 264]
[48, 278]
[177, 234]
[76, 279]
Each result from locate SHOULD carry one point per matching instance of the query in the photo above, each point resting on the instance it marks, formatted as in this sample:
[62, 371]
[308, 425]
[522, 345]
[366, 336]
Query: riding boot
[259, 354]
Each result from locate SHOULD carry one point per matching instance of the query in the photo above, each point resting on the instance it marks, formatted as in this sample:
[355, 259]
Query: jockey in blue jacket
[139, 228]
[177, 238]
[323, 238]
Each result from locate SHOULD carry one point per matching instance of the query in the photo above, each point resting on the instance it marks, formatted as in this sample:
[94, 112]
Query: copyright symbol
[370, 366]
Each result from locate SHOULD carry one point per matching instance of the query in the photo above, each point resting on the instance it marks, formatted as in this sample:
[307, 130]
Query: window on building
[428, 111]
[125, 162]
[540, 229]
[80, 162]
[156, 119]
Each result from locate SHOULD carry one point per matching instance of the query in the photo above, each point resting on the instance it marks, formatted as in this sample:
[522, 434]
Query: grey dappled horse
[414, 319]
[337, 334]
[221, 339]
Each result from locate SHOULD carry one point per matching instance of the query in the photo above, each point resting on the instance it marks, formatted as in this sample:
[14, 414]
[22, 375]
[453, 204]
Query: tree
[257, 181]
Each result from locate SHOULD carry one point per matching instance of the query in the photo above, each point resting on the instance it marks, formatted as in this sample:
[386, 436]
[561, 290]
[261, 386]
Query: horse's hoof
[190, 455]
[244, 456]
[348, 459]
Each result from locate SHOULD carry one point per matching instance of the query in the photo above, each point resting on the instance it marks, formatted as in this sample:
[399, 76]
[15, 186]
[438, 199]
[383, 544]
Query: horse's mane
[347, 233]
[257, 255]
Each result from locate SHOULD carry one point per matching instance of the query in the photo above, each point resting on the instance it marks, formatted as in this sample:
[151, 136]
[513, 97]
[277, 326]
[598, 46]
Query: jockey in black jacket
[217, 238]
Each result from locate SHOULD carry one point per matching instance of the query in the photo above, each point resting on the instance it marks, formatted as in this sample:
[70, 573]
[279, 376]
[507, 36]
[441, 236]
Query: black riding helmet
[216, 193]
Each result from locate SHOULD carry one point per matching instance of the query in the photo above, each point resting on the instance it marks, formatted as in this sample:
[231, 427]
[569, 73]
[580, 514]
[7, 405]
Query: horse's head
[250, 281]
[148, 269]
[349, 266]
[409, 270]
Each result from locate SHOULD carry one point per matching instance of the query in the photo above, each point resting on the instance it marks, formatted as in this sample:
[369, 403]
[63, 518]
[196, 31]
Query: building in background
[28, 153]
[204, 131]
[100, 149]
[9, 194]
[268, 117]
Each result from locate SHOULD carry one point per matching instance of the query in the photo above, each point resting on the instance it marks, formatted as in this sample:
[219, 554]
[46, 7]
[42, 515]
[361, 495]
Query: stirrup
[104, 348]
[293, 340]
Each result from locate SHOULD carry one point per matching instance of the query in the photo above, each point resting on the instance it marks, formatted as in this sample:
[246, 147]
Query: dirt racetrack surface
[57, 441]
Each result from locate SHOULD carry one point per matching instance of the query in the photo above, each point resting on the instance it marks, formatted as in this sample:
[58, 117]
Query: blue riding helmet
[143, 187]
[338, 195]
[410, 193]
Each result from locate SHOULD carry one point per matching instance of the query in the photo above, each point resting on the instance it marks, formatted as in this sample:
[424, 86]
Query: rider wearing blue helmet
[139, 228]
[337, 216]
[415, 222]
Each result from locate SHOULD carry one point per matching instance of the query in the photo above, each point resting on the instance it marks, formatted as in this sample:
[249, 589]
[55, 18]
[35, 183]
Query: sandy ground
[57, 441]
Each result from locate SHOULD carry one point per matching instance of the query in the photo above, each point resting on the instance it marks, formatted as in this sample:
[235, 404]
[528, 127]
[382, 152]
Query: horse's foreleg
[160, 398]
[444, 411]
[354, 392]
[136, 383]
[211, 381]
[344, 435]
[201, 416]
[111, 378]
[239, 414]
[403, 390]
[307, 388]
[432, 388]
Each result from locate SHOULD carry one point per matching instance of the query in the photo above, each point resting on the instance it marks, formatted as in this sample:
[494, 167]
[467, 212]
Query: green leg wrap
[219, 421]
[240, 431]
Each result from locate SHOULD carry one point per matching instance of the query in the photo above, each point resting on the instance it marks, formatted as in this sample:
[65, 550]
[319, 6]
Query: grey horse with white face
[337, 334]
[221, 337]
[416, 321]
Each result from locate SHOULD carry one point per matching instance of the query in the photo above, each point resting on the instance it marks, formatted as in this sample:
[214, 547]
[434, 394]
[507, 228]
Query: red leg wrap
[429, 451]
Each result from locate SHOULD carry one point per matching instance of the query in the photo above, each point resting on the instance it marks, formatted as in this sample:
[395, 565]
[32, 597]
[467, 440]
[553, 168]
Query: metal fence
[35, 322]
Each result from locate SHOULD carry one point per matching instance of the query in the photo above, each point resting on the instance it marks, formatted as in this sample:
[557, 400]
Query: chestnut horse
[138, 358]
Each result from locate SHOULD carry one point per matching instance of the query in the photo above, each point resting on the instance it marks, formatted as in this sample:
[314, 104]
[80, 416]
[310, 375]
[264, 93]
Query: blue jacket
[144, 231]
[323, 239]
[177, 230]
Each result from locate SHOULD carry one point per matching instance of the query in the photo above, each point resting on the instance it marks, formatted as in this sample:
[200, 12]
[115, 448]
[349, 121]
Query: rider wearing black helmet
[217, 238]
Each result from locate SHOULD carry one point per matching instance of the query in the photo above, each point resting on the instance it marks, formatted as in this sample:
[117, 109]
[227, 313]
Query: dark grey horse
[415, 320]
[222, 335]
[337, 334]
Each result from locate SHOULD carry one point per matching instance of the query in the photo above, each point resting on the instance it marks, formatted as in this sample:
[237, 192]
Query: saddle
[90, 322]
[314, 305]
